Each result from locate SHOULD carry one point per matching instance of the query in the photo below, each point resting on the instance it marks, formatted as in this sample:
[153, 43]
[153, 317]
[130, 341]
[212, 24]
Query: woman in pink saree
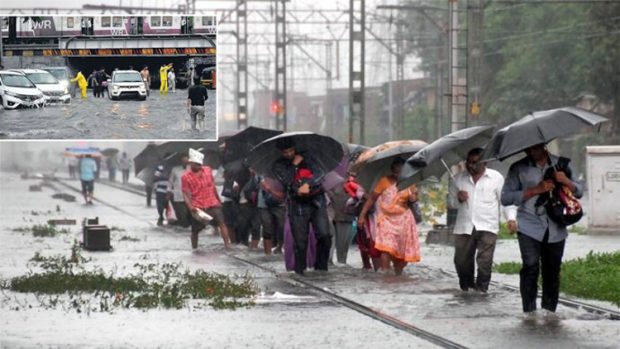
[395, 230]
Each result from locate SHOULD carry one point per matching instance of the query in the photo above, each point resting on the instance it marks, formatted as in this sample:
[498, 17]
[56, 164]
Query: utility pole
[242, 64]
[457, 100]
[474, 60]
[280, 92]
[356, 69]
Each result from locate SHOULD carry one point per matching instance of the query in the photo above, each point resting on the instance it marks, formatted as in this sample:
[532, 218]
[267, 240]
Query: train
[27, 29]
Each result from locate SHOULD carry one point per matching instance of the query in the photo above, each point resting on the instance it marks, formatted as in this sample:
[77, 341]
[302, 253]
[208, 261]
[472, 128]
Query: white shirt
[482, 208]
[174, 183]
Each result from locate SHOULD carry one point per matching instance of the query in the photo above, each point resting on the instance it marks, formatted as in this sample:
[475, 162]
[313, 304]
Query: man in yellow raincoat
[82, 84]
[163, 78]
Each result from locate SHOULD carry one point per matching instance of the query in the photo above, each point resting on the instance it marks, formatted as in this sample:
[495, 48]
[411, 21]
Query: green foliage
[42, 230]
[153, 285]
[593, 277]
[432, 198]
[504, 233]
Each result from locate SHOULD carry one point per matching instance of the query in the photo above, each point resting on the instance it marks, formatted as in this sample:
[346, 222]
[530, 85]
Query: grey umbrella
[326, 150]
[378, 165]
[538, 128]
[436, 158]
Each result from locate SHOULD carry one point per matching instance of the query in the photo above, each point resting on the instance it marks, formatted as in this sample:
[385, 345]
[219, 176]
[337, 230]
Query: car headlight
[9, 93]
[66, 91]
[115, 87]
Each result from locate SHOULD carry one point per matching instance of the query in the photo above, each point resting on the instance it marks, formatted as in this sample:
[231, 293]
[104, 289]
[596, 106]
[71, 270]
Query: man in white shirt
[476, 193]
[175, 194]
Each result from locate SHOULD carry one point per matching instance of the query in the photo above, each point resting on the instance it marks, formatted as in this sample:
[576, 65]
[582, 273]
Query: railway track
[387, 319]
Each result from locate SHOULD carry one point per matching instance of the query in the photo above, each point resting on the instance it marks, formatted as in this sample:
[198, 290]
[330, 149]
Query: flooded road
[295, 317]
[158, 117]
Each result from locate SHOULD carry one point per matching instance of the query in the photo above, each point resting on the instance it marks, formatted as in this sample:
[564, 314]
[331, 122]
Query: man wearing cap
[200, 193]
[301, 177]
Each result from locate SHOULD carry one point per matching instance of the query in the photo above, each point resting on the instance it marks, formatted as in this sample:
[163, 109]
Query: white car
[52, 88]
[63, 74]
[126, 83]
[16, 90]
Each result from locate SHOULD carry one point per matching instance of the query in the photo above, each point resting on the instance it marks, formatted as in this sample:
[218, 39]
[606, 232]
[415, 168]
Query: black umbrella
[540, 128]
[109, 152]
[437, 157]
[239, 145]
[149, 156]
[171, 152]
[378, 165]
[326, 150]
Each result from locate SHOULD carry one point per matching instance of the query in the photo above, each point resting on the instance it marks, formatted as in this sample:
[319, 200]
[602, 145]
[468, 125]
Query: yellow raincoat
[82, 84]
[163, 78]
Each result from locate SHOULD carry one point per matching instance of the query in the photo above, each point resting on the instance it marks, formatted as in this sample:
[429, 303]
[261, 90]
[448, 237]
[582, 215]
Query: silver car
[52, 88]
[16, 90]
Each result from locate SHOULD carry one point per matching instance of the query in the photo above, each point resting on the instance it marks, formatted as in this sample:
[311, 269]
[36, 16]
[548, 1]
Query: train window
[155, 21]
[106, 22]
[208, 21]
[166, 21]
[117, 22]
[70, 22]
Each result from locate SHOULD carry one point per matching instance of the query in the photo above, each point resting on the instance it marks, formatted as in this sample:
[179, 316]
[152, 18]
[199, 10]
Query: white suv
[52, 88]
[17, 90]
[126, 83]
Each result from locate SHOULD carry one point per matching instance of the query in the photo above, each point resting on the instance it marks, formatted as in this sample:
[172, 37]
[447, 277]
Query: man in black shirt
[196, 98]
[302, 178]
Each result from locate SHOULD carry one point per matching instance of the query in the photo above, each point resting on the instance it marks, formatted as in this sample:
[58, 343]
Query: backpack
[561, 205]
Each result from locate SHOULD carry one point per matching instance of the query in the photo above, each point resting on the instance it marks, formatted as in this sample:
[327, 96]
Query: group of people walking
[294, 203]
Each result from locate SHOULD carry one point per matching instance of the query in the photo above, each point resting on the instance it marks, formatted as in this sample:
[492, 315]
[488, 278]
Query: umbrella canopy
[148, 157]
[326, 150]
[77, 152]
[109, 152]
[437, 157]
[375, 163]
[238, 146]
[171, 152]
[538, 128]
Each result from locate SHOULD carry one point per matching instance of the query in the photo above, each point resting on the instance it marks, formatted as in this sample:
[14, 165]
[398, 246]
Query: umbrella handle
[451, 176]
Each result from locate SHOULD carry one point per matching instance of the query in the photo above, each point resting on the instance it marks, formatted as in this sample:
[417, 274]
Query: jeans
[125, 176]
[300, 220]
[162, 203]
[249, 223]
[537, 255]
[465, 247]
[272, 220]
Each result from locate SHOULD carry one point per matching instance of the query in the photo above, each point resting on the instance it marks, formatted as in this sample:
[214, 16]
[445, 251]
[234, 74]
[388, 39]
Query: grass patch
[594, 277]
[151, 285]
[42, 230]
[577, 229]
[128, 238]
[504, 233]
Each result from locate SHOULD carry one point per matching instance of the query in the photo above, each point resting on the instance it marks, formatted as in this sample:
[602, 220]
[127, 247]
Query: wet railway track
[387, 319]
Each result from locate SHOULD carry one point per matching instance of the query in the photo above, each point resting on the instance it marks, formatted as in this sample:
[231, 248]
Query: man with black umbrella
[301, 176]
[541, 239]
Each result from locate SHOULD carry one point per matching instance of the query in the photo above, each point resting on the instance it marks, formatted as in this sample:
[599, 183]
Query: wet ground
[294, 317]
[158, 117]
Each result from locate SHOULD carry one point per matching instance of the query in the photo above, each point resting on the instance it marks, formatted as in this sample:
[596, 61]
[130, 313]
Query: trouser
[112, 174]
[182, 213]
[95, 91]
[125, 176]
[343, 240]
[300, 221]
[540, 255]
[195, 112]
[163, 88]
[83, 91]
[272, 220]
[162, 203]
[72, 171]
[249, 223]
[230, 210]
[465, 247]
[172, 85]
[149, 195]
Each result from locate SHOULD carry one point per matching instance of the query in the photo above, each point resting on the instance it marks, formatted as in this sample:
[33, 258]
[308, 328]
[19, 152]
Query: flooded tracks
[426, 304]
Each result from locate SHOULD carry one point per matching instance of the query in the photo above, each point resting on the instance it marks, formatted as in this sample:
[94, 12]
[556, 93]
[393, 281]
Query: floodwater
[285, 315]
[158, 117]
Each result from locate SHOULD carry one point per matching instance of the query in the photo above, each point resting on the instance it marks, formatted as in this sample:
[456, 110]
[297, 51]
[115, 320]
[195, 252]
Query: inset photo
[108, 77]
